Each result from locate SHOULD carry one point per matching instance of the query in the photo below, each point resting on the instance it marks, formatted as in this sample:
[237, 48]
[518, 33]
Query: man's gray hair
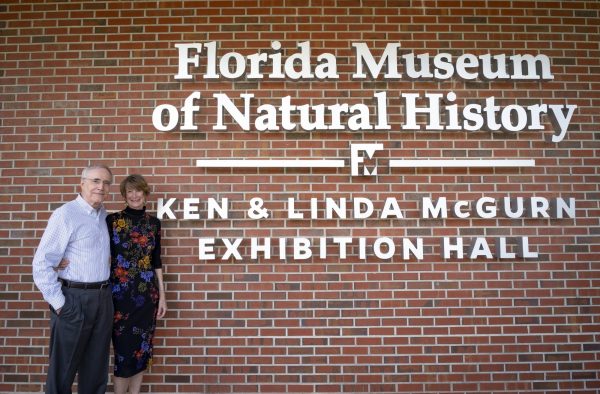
[94, 167]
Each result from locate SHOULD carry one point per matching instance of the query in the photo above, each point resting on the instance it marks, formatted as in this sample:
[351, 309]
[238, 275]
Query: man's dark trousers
[80, 341]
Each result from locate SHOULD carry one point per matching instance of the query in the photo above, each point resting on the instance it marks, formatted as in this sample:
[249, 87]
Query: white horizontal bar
[254, 163]
[460, 163]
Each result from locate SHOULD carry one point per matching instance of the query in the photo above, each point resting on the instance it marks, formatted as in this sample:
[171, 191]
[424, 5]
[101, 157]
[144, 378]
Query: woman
[137, 284]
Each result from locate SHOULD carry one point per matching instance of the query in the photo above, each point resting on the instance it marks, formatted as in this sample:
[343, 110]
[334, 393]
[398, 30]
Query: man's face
[94, 187]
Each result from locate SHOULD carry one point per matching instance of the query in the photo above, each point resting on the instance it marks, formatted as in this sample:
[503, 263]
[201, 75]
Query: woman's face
[135, 198]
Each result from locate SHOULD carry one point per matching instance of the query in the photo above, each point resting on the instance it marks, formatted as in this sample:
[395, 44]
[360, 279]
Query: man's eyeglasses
[98, 181]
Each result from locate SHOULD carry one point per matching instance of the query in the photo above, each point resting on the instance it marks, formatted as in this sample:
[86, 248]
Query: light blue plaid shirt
[77, 232]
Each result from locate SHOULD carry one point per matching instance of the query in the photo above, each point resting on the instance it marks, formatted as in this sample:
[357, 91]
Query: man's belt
[84, 285]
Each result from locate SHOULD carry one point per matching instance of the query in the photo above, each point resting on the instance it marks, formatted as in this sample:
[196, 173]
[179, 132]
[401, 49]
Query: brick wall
[80, 81]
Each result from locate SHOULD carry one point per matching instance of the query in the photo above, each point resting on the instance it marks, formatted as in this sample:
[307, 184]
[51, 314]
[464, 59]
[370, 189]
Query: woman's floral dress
[135, 251]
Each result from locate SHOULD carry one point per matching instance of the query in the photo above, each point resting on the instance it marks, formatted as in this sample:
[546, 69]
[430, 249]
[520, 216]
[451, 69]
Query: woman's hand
[62, 265]
[162, 308]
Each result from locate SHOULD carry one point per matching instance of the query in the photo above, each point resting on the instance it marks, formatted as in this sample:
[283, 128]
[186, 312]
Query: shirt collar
[87, 207]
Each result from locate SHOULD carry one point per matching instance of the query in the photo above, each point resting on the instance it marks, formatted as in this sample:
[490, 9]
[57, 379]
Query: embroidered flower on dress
[121, 261]
[144, 263]
[139, 301]
[121, 274]
[147, 275]
[121, 224]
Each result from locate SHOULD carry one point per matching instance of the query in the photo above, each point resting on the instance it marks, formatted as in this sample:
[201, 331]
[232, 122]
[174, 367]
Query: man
[79, 296]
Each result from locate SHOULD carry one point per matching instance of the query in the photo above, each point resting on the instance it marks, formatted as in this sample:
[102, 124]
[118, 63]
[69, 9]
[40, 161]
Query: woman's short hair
[136, 182]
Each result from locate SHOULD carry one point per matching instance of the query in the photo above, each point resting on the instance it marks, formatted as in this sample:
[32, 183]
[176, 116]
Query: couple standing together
[102, 276]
